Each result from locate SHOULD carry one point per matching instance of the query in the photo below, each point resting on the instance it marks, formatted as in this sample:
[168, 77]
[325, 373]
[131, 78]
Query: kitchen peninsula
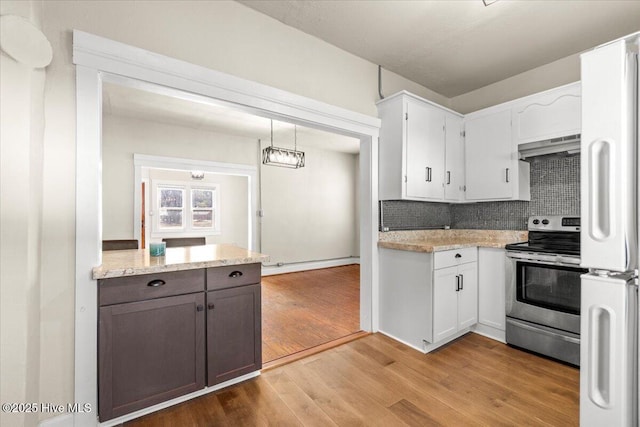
[437, 285]
[175, 324]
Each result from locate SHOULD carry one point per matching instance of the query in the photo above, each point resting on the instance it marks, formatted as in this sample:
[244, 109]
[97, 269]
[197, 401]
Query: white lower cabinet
[455, 297]
[491, 292]
[427, 299]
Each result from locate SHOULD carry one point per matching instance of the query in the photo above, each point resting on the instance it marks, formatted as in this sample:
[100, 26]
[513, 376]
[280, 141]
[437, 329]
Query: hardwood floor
[307, 309]
[378, 381]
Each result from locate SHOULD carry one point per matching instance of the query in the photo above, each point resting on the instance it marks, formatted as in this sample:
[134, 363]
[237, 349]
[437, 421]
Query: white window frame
[187, 229]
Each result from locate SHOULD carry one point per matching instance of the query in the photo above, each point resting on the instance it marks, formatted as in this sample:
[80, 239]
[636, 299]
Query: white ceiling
[453, 47]
[206, 115]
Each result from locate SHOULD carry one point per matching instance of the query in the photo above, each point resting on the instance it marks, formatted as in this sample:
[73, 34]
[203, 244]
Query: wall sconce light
[197, 175]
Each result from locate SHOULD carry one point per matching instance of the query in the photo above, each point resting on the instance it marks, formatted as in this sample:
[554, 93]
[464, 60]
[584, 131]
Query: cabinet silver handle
[156, 283]
[461, 281]
[448, 177]
[235, 274]
[507, 174]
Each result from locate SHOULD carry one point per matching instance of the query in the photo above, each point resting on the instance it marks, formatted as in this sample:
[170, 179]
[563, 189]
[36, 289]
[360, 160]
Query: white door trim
[96, 57]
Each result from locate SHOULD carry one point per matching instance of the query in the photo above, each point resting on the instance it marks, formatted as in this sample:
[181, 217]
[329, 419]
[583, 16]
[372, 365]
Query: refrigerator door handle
[600, 164]
[601, 356]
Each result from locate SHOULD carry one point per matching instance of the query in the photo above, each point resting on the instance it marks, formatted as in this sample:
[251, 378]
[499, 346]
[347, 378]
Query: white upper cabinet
[425, 150]
[492, 169]
[454, 158]
[414, 158]
[546, 115]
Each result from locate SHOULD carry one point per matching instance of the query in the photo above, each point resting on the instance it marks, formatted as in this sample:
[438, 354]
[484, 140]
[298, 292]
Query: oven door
[544, 292]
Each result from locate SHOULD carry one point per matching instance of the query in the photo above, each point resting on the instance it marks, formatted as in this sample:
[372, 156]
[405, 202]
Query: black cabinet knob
[156, 283]
[211, 306]
[235, 274]
[199, 307]
[458, 256]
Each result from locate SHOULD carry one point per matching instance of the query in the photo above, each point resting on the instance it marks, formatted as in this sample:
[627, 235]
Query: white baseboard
[429, 347]
[490, 332]
[64, 420]
[311, 265]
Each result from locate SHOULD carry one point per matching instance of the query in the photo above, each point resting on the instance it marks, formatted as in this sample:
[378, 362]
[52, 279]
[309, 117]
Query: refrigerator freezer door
[608, 355]
[608, 177]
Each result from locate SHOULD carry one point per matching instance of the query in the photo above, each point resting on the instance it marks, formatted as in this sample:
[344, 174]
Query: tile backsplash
[555, 190]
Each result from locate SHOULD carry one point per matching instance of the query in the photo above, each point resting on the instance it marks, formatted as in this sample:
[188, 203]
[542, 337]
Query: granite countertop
[443, 240]
[138, 261]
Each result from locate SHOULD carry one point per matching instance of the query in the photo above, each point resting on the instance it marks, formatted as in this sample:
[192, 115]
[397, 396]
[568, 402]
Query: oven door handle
[544, 331]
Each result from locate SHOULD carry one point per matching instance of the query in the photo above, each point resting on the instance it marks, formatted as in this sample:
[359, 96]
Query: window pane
[171, 197]
[170, 218]
[202, 198]
[202, 218]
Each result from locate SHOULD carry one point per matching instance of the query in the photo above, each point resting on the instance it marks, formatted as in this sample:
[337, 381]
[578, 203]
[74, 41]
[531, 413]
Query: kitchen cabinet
[413, 158]
[454, 159]
[165, 335]
[492, 168]
[491, 292]
[419, 303]
[151, 340]
[234, 327]
[455, 294]
[546, 115]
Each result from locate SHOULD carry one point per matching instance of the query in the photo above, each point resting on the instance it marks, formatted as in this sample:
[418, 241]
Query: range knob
[536, 221]
[545, 221]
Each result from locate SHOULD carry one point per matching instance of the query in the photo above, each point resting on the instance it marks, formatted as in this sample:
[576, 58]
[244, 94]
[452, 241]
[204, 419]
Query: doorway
[98, 60]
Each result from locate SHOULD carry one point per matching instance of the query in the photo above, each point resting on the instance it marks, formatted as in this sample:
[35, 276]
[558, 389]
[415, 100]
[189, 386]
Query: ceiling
[206, 115]
[454, 47]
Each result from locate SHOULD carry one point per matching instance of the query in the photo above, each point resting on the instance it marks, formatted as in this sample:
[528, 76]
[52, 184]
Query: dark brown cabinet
[150, 351]
[165, 335]
[234, 333]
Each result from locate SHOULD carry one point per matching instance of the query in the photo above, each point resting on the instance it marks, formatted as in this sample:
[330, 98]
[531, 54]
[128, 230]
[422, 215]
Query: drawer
[233, 275]
[454, 257]
[149, 286]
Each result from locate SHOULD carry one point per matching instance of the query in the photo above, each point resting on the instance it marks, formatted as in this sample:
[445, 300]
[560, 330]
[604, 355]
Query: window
[185, 208]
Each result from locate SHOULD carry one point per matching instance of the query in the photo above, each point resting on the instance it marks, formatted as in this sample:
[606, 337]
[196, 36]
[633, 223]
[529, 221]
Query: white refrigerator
[609, 374]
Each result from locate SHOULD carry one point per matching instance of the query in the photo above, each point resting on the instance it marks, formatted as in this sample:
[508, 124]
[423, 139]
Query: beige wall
[310, 213]
[123, 137]
[22, 296]
[554, 74]
[38, 250]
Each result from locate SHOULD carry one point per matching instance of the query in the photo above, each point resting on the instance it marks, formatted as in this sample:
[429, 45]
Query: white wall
[310, 213]
[123, 137]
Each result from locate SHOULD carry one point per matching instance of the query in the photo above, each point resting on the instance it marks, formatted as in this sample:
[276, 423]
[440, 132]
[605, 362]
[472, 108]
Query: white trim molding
[270, 270]
[99, 59]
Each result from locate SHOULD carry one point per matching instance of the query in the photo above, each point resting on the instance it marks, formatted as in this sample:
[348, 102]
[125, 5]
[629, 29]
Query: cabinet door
[149, 352]
[454, 158]
[445, 303]
[491, 287]
[488, 150]
[234, 333]
[468, 295]
[425, 151]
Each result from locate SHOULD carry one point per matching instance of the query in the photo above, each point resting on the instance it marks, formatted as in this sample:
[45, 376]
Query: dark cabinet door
[234, 333]
[150, 352]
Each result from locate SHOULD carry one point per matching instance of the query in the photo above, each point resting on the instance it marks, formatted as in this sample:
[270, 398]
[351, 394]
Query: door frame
[96, 59]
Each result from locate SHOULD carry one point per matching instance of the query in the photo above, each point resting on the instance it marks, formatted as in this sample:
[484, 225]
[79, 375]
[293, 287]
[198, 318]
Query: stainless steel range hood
[562, 145]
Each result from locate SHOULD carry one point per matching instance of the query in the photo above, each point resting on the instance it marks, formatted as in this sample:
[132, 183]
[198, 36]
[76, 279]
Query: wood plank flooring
[378, 381]
[307, 309]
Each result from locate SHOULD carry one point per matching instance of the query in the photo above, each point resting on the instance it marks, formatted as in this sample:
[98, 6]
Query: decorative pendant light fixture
[283, 157]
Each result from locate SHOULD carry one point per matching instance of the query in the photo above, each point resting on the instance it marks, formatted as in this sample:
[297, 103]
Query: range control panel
[554, 223]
